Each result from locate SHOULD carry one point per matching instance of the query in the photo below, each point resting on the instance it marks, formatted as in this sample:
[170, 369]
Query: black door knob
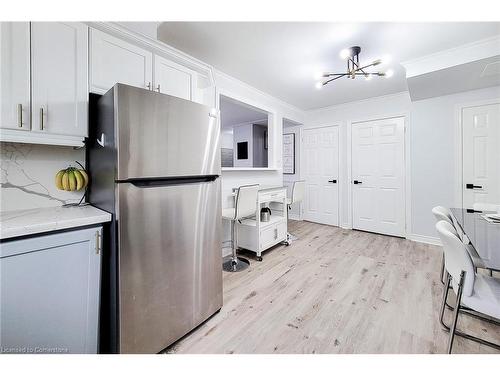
[356, 182]
[472, 186]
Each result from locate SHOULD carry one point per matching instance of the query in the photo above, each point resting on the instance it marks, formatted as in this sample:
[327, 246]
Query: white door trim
[406, 169]
[341, 178]
[458, 144]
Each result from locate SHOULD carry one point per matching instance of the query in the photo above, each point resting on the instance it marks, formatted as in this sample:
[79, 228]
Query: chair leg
[446, 288]
[235, 263]
[442, 270]
[456, 311]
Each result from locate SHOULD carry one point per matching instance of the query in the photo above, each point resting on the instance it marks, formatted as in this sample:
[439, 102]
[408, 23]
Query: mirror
[244, 135]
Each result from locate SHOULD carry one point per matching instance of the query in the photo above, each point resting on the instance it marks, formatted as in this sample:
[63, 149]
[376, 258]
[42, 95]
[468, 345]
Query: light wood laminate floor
[335, 291]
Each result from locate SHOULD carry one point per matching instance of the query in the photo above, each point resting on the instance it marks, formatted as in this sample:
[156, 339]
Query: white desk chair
[298, 191]
[486, 207]
[475, 292]
[244, 206]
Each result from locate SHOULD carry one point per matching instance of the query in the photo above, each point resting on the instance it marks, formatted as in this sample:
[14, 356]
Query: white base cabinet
[50, 293]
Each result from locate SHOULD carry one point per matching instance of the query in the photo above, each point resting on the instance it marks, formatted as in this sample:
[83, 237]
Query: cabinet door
[15, 75]
[59, 78]
[173, 79]
[50, 293]
[113, 60]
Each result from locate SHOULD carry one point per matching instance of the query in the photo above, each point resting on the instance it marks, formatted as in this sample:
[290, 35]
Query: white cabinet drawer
[271, 196]
[272, 235]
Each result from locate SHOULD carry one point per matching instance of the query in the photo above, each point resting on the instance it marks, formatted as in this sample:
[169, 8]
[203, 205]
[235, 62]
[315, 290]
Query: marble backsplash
[28, 172]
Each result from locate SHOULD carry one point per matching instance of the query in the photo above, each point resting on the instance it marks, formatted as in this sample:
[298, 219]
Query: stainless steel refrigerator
[154, 163]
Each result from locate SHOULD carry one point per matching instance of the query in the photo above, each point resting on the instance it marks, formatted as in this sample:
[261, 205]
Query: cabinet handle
[275, 233]
[41, 118]
[20, 115]
[97, 242]
[158, 88]
[149, 85]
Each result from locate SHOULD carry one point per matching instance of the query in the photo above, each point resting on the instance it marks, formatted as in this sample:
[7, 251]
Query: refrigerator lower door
[170, 262]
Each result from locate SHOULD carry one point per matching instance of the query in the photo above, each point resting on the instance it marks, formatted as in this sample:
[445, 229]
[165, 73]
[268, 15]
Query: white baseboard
[294, 217]
[424, 239]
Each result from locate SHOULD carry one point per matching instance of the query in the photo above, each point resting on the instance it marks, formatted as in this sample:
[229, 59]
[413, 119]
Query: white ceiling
[233, 112]
[282, 58]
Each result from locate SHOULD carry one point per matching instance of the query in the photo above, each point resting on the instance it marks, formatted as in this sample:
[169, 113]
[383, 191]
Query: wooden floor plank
[335, 291]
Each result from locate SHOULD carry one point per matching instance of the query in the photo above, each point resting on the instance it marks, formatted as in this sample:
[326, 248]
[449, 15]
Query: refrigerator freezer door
[160, 135]
[170, 262]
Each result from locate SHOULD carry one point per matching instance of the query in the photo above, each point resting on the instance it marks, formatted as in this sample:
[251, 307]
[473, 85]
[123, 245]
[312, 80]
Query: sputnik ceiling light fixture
[354, 68]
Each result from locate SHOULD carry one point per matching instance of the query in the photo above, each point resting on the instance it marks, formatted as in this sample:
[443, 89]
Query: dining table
[484, 237]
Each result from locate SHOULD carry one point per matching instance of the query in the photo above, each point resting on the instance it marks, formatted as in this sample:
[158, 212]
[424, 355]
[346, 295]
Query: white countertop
[40, 220]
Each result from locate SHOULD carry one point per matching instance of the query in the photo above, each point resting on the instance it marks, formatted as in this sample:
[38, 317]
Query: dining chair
[486, 207]
[474, 292]
[245, 206]
[443, 213]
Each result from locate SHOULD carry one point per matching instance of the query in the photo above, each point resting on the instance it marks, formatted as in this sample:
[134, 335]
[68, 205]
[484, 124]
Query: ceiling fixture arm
[333, 79]
[354, 68]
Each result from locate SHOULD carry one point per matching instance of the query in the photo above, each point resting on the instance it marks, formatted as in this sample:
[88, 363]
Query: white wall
[278, 109]
[343, 115]
[289, 179]
[434, 132]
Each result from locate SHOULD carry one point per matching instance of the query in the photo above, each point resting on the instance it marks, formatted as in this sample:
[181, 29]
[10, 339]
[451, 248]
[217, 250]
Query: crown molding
[463, 54]
[259, 92]
[157, 47]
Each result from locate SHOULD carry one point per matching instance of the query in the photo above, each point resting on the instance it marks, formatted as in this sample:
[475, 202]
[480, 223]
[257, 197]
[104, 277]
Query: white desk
[258, 236]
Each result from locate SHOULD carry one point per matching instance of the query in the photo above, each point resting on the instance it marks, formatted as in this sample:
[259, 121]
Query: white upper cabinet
[113, 60]
[15, 75]
[59, 78]
[173, 79]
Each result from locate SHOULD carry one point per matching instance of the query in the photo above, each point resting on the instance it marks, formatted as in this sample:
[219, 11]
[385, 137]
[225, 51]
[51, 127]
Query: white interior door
[378, 176]
[481, 155]
[321, 173]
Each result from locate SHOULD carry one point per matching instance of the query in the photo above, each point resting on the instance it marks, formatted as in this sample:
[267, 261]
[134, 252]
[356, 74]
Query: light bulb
[318, 75]
[319, 85]
[345, 53]
[389, 73]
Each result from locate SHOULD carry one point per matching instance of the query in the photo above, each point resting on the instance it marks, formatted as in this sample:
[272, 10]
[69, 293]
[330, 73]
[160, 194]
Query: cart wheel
[259, 259]
[287, 243]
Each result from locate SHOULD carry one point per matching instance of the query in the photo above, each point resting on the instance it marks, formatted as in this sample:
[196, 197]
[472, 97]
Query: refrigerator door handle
[168, 181]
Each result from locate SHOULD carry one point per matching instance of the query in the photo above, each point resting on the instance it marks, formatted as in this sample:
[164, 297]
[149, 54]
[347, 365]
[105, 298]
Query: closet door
[15, 75]
[59, 78]
[173, 79]
[378, 176]
[321, 154]
[113, 60]
[481, 155]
